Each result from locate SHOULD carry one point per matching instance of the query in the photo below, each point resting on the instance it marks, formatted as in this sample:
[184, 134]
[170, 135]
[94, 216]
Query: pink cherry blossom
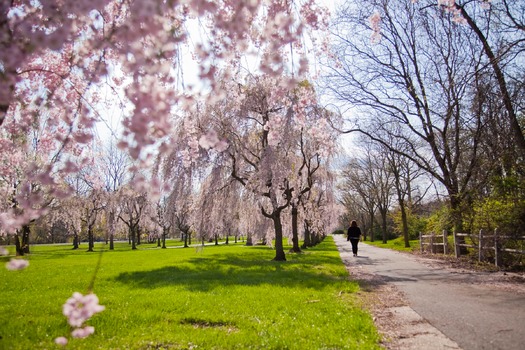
[83, 332]
[17, 264]
[447, 3]
[375, 21]
[4, 251]
[221, 146]
[79, 308]
[61, 341]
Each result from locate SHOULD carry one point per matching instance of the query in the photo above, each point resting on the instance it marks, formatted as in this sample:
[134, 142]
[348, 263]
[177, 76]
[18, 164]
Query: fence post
[420, 241]
[480, 246]
[445, 242]
[456, 250]
[497, 257]
[432, 250]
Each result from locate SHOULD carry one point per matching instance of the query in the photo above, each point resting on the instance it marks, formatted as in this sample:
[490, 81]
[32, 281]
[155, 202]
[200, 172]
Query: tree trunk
[249, 241]
[384, 225]
[186, 236]
[111, 241]
[133, 231]
[307, 240]
[26, 230]
[75, 241]
[91, 240]
[295, 234]
[500, 77]
[18, 246]
[457, 220]
[315, 238]
[164, 234]
[372, 227]
[279, 251]
[137, 238]
[216, 239]
[404, 223]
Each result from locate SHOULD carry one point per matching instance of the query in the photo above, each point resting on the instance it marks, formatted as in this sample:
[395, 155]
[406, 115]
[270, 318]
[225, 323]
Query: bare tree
[358, 192]
[500, 28]
[415, 86]
[115, 167]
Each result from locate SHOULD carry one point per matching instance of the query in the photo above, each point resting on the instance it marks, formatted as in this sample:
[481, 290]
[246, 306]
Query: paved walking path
[460, 314]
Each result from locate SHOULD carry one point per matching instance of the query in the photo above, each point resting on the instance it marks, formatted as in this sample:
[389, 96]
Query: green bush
[504, 214]
[416, 224]
[440, 220]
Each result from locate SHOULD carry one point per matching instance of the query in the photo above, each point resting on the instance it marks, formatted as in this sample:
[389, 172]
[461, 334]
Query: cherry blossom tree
[30, 174]
[69, 213]
[315, 148]
[264, 134]
[132, 208]
[251, 222]
[70, 52]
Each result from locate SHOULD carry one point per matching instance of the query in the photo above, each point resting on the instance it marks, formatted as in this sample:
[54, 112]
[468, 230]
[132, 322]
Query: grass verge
[217, 297]
[396, 244]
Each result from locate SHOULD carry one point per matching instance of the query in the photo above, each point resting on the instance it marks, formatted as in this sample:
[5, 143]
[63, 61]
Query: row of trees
[440, 95]
[65, 65]
[271, 180]
[276, 159]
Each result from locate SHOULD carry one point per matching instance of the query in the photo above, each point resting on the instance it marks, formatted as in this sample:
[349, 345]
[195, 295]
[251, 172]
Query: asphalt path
[472, 315]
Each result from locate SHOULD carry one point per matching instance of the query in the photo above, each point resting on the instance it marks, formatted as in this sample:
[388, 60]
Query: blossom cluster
[274, 126]
[321, 134]
[13, 264]
[78, 309]
[211, 140]
[17, 264]
[375, 21]
[450, 6]
[305, 98]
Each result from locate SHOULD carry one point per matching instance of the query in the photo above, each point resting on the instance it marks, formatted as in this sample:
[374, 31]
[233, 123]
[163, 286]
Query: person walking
[354, 234]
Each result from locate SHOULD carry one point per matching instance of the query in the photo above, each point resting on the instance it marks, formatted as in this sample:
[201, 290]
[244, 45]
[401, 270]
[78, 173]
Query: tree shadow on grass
[210, 272]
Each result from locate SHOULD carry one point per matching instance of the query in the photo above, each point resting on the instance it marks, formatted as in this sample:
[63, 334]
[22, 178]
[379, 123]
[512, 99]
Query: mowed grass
[217, 297]
[396, 244]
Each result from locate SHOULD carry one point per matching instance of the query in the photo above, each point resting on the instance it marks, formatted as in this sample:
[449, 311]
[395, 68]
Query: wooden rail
[434, 241]
[492, 242]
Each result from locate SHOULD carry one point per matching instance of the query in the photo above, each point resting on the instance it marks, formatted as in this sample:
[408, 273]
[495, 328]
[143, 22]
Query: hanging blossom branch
[80, 308]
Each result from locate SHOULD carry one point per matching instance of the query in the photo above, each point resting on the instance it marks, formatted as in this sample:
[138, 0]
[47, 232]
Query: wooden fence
[434, 242]
[482, 242]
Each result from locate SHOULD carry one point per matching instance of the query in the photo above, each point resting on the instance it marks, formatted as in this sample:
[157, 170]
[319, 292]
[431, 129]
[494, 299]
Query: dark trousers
[354, 242]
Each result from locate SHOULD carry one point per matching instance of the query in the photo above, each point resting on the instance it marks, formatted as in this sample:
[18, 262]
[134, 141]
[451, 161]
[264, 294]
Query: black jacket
[354, 232]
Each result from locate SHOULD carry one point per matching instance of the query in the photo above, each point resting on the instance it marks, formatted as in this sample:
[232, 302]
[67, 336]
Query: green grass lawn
[220, 297]
[396, 244]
